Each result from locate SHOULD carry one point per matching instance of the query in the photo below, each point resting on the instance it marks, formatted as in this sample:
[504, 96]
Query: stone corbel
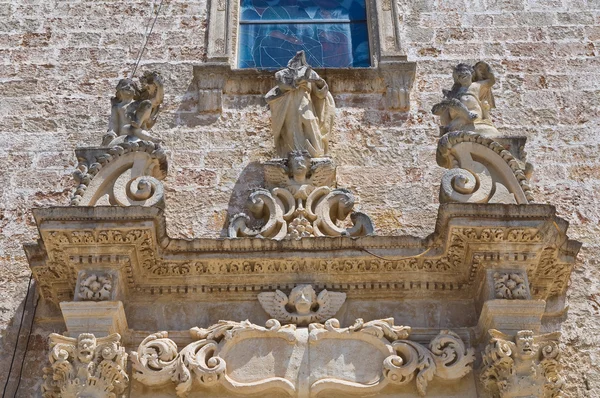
[126, 174]
[399, 77]
[481, 170]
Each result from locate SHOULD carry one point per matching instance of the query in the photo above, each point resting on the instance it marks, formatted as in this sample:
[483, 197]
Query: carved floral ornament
[228, 354]
[523, 365]
[86, 366]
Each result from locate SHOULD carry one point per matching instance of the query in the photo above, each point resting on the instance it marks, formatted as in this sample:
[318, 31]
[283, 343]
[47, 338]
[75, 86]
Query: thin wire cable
[27, 344]
[146, 36]
[18, 335]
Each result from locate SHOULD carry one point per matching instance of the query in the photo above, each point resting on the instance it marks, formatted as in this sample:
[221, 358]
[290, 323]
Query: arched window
[332, 33]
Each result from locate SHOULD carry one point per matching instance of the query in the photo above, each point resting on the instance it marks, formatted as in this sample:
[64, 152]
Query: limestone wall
[60, 61]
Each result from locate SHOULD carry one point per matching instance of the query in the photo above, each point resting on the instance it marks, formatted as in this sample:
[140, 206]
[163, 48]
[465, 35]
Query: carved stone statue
[303, 306]
[466, 107]
[302, 109]
[529, 366]
[134, 110]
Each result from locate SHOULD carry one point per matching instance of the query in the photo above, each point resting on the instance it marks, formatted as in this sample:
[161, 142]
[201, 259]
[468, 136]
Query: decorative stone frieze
[247, 359]
[481, 170]
[302, 202]
[302, 306]
[525, 365]
[86, 366]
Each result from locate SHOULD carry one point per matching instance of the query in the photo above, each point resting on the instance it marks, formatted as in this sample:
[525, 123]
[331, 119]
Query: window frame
[383, 27]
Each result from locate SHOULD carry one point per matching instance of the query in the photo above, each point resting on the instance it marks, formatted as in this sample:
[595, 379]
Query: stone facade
[62, 60]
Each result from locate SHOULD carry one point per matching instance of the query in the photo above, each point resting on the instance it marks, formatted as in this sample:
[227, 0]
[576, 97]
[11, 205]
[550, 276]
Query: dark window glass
[332, 33]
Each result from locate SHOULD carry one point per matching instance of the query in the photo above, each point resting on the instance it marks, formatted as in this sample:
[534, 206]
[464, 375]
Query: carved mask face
[524, 342]
[299, 165]
[303, 298]
[86, 345]
[463, 74]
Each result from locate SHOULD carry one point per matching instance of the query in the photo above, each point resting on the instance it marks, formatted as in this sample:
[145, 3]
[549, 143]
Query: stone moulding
[376, 354]
[133, 241]
[481, 170]
[126, 174]
[86, 366]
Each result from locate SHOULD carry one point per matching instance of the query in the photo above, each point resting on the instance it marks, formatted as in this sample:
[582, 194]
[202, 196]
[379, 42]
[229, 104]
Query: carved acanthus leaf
[85, 366]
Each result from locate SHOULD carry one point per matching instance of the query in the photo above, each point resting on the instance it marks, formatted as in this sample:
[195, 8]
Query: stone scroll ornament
[86, 366]
[128, 167]
[302, 306]
[481, 170]
[525, 365]
[300, 202]
[247, 359]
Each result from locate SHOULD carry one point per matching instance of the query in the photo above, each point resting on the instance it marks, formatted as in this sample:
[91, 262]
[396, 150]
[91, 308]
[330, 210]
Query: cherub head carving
[86, 347]
[126, 90]
[302, 306]
[299, 164]
[302, 298]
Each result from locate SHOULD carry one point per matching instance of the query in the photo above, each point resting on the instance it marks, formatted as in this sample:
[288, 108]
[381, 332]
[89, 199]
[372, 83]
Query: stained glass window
[332, 33]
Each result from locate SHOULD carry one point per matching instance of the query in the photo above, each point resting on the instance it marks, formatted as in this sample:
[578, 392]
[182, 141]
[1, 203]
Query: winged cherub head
[303, 298]
[299, 164]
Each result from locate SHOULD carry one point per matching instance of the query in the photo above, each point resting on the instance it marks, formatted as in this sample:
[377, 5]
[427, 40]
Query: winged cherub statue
[467, 105]
[302, 109]
[135, 110]
[303, 306]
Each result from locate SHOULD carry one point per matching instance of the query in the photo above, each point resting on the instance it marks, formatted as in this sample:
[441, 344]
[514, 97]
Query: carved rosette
[510, 285]
[95, 286]
[127, 174]
[523, 365]
[85, 366]
[301, 202]
[247, 359]
[481, 170]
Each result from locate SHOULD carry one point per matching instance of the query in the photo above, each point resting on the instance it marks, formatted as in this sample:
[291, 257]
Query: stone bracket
[510, 316]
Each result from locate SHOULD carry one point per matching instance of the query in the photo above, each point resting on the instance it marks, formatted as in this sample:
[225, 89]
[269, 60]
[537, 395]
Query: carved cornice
[468, 238]
[376, 354]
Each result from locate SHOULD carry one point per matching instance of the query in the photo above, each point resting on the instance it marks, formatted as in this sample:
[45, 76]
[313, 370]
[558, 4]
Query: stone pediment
[469, 240]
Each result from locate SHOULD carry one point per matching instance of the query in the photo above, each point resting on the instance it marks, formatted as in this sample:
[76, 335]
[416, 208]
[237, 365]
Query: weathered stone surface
[62, 60]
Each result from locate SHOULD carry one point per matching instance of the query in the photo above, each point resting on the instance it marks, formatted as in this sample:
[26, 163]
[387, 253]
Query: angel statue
[467, 105]
[302, 109]
[303, 306]
[134, 110]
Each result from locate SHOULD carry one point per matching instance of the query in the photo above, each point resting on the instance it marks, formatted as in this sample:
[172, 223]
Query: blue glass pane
[328, 45]
[311, 10]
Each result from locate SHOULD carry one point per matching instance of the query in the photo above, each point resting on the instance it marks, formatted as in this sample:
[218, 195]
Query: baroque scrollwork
[240, 356]
[302, 306]
[481, 170]
[85, 366]
[301, 202]
[126, 174]
[523, 365]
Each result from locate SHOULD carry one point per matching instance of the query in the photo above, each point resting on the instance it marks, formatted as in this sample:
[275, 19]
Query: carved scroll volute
[127, 174]
[480, 171]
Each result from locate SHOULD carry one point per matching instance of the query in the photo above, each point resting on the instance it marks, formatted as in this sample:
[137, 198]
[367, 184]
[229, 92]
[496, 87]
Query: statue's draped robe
[301, 118]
